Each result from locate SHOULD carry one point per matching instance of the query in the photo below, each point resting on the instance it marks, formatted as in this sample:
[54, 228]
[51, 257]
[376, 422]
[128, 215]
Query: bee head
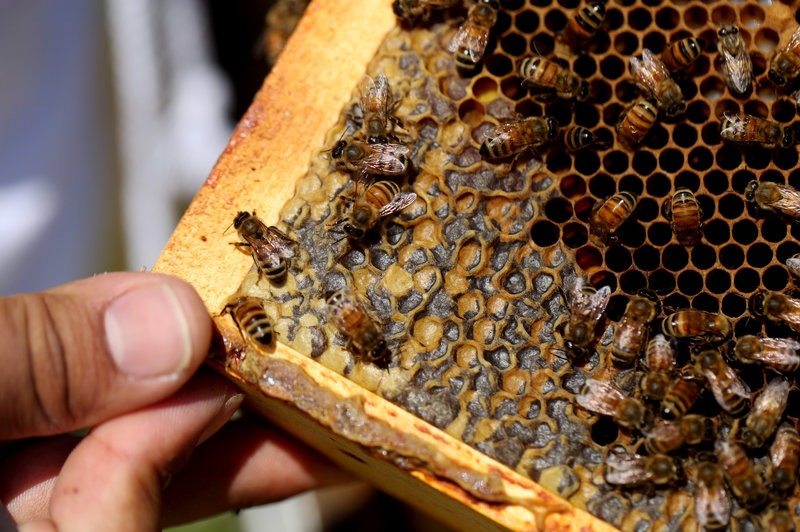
[757, 303]
[379, 351]
[750, 190]
[240, 218]
[353, 231]
[338, 150]
[776, 78]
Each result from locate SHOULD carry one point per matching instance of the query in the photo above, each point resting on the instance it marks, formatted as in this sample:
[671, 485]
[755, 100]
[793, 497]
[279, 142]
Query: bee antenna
[227, 228]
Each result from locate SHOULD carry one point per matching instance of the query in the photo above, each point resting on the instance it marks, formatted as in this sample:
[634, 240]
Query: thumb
[89, 350]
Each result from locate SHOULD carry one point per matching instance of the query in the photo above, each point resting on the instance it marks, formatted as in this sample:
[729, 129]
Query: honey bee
[685, 215]
[634, 470]
[744, 481]
[666, 436]
[779, 354]
[512, 138]
[776, 307]
[586, 309]
[748, 129]
[411, 10]
[350, 318]
[780, 199]
[683, 393]
[602, 398]
[767, 411]
[608, 215]
[784, 456]
[376, 106]
[585, 23]
[630, 334]
[251, 319]
[654, 79]
[712, 506]
[737, 67]
[380, 199]
[784, 67]
[696, 325]
[270, 247]
[387, 159]
[682, 53]
[777, 518]
[577, 138]
[731, 393]
[470, 40]
[636, 121]
[660, 362]
[548, 77]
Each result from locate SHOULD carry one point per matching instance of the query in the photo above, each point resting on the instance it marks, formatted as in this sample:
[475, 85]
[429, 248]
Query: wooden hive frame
[270, 148]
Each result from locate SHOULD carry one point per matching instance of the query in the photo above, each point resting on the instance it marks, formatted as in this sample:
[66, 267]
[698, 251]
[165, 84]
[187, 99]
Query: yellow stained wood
[271, 147]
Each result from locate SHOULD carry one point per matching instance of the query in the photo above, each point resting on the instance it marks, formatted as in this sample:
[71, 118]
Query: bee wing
[599, 397]
[649, 71]
[789, 201]
[625, 469]
[281, 243]
[738, 69]
[794, 41]
[793, 264]
[467, 38]
[400, 201]
[774, 397]
[596, 303]
[712, 501]
[385, 158]
[792, 315]
[782, 351]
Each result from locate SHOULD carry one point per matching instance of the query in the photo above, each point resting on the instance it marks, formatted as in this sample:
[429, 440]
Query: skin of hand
[121, 353]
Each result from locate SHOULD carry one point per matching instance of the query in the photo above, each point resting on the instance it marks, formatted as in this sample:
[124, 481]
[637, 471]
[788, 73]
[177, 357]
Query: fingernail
[148, 333]
[230, 407]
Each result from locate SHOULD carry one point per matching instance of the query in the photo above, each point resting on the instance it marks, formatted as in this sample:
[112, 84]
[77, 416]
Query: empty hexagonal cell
[674, 257]
[766, 40]
[703, 256]
[718, 281]
[667, 18]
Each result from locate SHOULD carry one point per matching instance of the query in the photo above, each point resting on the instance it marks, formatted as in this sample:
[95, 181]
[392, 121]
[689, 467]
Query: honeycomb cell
[695, 17]
[654, 41]
[731, 256]
[698, 112]
[659, 233]
[631, 234]
[723, 13]
[703, 256]
[615, 162]
[647, 209]
[631, 282]
[731, 206]
[575, 235]
[716, 182]
[759, 255]
[783, 111]
[690, 282]
[513, 44]
[558, 210]
[674, 257]
[527, 21]
[718, 281]
[773, 230]
[766, 40]
[626, 43]
[775, 278]
[700, 158]
[657, 185]
[639, 18]
[618, 258]
[545, 233]
[572, 186]
[670, 160]
[729, 157]
[717, 232]
[646, 258]
[644, 163]
[661, 280]
[712, 89]
[684, 135]
[785, 159]
[746, 280]
[688, 180]
[656, 138]
[612, 67]
[667, 18]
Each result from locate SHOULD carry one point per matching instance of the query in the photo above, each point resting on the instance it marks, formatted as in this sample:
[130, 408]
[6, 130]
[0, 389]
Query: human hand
[120, 353]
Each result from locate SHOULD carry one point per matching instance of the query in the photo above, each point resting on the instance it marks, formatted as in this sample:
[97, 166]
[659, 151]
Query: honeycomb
[468, 282]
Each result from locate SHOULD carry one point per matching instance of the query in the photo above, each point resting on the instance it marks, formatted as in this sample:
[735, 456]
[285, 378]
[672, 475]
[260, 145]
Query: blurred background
[112, 114]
